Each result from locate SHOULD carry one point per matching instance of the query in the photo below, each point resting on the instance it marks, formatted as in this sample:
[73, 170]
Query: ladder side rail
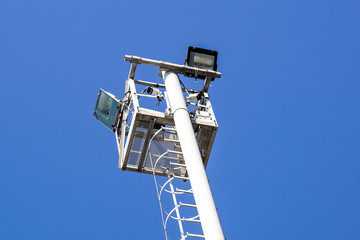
[176, 209]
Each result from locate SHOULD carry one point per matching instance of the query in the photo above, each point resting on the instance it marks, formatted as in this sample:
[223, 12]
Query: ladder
[178, 206]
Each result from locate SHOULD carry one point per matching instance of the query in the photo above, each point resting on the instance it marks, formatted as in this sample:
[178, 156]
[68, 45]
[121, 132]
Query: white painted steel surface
[176, 209]
[198, 179]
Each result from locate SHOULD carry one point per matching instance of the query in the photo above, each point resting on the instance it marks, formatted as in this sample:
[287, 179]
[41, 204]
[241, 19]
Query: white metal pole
[205, 204]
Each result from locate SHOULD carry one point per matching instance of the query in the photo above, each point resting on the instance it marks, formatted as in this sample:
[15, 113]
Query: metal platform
[136, 126]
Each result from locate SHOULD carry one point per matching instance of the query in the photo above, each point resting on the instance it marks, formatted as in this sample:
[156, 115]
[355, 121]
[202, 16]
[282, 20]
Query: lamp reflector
[106, 109]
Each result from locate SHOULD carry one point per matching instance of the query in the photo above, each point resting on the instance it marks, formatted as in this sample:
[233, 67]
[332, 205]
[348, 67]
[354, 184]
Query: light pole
[173, 143]
[194, 165]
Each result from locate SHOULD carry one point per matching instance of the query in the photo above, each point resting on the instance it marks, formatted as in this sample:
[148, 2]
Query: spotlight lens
[201, 60]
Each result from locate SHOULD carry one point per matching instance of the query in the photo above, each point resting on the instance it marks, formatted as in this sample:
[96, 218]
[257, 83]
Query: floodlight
[201, 58]
[107, 109]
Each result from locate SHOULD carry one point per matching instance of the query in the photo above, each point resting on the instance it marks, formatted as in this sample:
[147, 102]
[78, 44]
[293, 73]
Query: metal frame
[171, 67]
[129, 122]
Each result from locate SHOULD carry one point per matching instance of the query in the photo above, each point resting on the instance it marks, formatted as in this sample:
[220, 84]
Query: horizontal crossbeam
[176, 68]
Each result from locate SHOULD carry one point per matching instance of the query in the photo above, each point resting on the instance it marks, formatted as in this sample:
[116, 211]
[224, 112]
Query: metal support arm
[175, 68]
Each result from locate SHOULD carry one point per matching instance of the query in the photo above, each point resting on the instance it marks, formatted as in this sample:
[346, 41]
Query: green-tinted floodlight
[201, 58]
[107, 109]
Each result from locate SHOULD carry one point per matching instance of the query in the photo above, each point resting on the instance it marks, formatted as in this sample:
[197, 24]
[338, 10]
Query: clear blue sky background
[286, 160]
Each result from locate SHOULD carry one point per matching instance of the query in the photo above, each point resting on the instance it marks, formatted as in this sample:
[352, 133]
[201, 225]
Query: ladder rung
[171, 140]
[177, 164]
[190, 220]
[174, 152]
[195, 235]
[169, 129]
[183, 178]
[184, 191]
[187, 205]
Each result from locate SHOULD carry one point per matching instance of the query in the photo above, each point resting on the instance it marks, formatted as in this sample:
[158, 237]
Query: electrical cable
[182, 84]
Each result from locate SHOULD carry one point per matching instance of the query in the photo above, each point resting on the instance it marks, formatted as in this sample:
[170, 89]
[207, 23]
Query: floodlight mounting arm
[172, 67]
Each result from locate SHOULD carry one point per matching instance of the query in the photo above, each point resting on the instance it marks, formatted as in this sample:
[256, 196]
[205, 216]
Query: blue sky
[285, 163]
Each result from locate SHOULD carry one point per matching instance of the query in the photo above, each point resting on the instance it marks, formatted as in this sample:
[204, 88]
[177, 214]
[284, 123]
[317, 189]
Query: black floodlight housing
[201, 58]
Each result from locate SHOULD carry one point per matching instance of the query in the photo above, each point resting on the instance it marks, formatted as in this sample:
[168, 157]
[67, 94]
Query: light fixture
[107, 109]
[201, 58]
